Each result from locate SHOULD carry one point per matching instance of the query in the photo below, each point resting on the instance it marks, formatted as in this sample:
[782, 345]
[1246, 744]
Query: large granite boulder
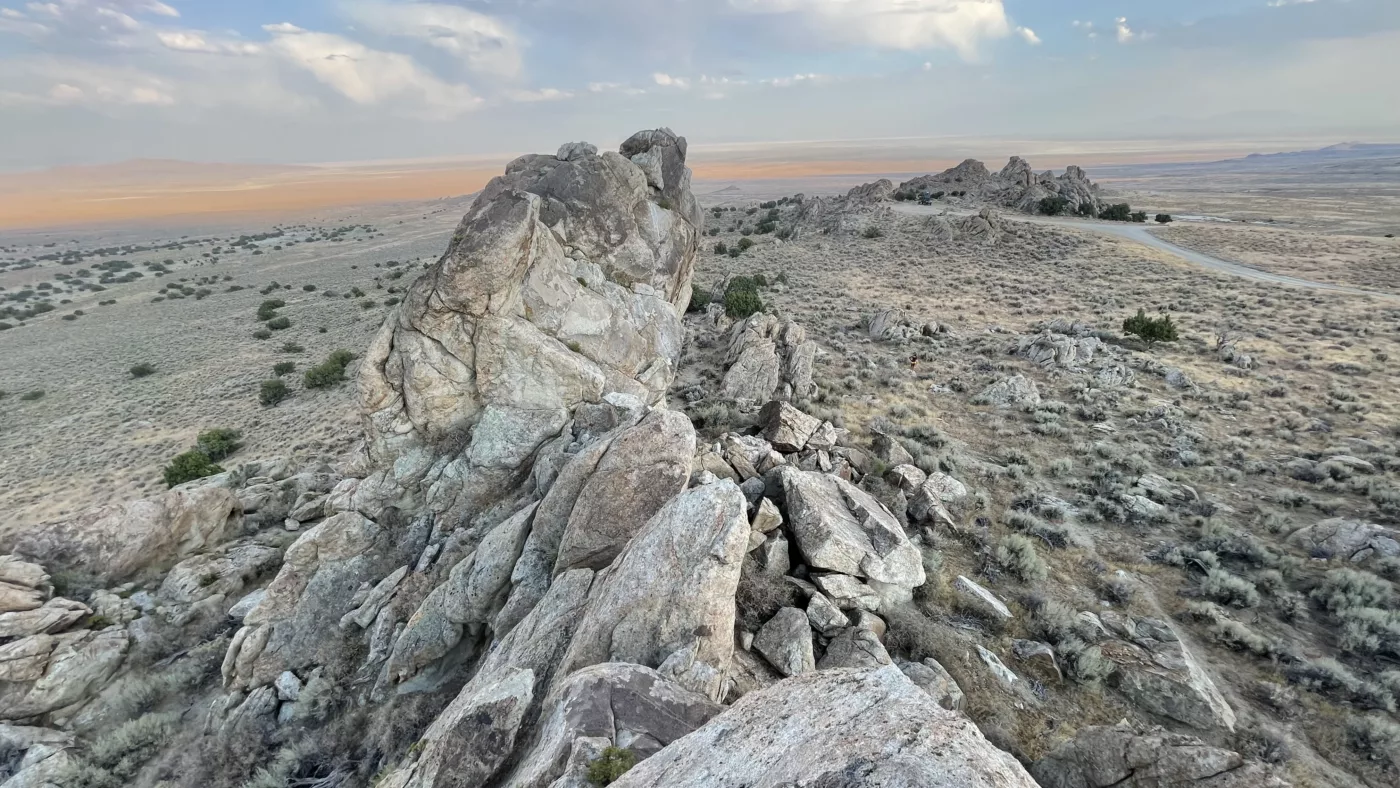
[855, 728]
[565, 281]
[1101, 757]
[75, 666]
[768, 359]
[841, 528]
[114, 542]
[667, 601]
[625, 705]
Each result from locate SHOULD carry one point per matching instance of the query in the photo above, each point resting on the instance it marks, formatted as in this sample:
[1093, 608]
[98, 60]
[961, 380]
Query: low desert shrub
[1227, 589]
[329, 372]
[1054, 205]
[611, 764]
[272, 392]
[279, 323]
[143, 370]
[218, 443]
[1017, 555]
[1342, 589]
[283, 367]
[1369, 630]
[189, 466]
[268, 309]
[699, 299]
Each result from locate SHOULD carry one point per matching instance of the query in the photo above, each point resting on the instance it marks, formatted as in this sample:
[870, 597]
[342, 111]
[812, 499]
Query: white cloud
[68, 82]
[367, 76]
[1125, 33]
[485, 43]
[960, 25]
[796, 79]
[1029, 35]
[668, 81]
[195, 41]
[543, 94]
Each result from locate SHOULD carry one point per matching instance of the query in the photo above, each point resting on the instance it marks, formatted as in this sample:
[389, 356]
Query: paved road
[1140, 234]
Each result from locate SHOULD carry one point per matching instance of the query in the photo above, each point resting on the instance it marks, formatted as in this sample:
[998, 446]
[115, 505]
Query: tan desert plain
[659, 463]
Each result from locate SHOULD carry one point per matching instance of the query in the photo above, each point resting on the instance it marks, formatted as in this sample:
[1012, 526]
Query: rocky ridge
[533, 563]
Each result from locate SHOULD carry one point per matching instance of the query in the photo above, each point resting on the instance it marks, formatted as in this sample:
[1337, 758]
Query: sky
[90, 81]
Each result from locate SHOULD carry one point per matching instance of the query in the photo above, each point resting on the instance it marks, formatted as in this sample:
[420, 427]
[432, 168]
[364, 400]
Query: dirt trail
[1142, 234]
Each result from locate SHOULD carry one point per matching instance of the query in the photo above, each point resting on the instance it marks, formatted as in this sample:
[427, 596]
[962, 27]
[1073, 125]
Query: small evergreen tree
[1150, 329]
[1118, 212]
[1054, 205]
[189, 466]
[1164, 218]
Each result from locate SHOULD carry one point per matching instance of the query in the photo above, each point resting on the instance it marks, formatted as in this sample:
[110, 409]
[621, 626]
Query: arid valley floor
[1275, 411]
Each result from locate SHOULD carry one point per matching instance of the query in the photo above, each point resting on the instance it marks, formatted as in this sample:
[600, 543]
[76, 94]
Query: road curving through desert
[1141, 234]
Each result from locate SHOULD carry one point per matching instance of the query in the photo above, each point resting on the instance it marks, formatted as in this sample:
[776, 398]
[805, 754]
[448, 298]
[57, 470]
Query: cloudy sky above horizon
[85, 81]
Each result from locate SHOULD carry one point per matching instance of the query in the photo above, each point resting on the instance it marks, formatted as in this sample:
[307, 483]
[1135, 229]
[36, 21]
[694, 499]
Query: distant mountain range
[1346, 156]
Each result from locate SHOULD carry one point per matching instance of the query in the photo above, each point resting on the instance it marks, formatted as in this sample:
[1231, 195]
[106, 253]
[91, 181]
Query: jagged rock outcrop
[1101, 757]
[855, 727]
[1016, 186]
[768, 359]
[851, 213]
[564, 282]
[840, 528]
[1350, 540]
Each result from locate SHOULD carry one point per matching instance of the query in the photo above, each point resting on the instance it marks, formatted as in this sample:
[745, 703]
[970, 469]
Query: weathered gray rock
[672, 589]
[114, 542]
[1005, 675]
[786, 427]
[1099, 757]
[1166, 492]
[79, 665]
[1166, 678]
[1347, 539]
[296, 625]
[225, 571]
[576, 150]
[1051, 349]
[624, 705]
[866, 728]
[854, 647]
[768, 359]
[840, 528]
[26, 658]
[476, 735]
[981, 596]
[23, 585]
[643, 468]
[907, 478]
[565, 281]
[55, 616]
[786, 642]
[937, 498]
[848, 593]
[1016, 391]
[932, 678]
[825, 616]
[889, 450]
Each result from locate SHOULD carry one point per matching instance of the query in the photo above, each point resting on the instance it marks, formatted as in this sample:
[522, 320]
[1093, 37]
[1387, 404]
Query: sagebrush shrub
[1342, 589]
[1017, 555]
[143, 370]
[1227, 589]
[329, 372]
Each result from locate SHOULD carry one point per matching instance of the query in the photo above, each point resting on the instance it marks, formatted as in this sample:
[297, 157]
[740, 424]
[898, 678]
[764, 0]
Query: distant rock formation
[1016, 186]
